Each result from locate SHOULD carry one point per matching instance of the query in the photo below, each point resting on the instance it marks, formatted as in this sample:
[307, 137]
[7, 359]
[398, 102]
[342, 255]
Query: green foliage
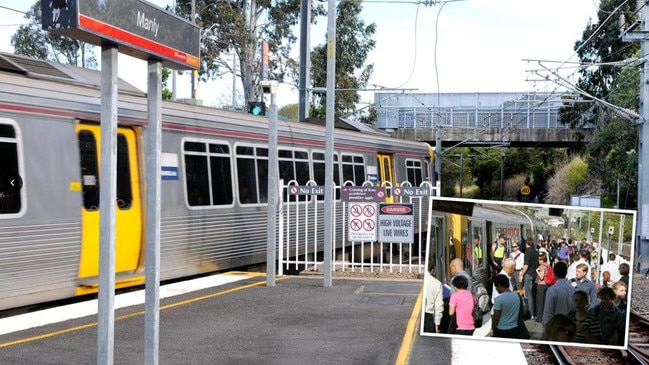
[353, 45]
[32, 41]
[566, 181]
[289, 112]
[166, 93]
[575, 173]
[606, 47]
[240, 27]
[611, 154]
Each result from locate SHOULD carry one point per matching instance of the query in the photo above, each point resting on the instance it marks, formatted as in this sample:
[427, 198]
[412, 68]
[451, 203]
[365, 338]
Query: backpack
[477, 313]
[549, 275]
[482, 298]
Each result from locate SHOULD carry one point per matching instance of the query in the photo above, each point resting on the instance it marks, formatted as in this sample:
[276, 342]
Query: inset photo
[524, 272]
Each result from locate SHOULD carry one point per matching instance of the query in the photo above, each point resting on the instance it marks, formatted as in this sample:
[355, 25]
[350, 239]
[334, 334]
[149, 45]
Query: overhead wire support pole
[642, 36]
[305, 59]
[329, 140]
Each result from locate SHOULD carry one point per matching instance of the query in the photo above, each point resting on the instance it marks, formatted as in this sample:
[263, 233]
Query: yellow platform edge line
[409, 335]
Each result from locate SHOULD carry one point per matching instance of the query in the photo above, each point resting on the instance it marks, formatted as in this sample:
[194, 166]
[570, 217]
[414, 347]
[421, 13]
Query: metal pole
[461, 172]
[641, 36]
[502, 173]
[107, 198]
[329, 142]
[438, 159]
[153, 185]
[234, 80]
[617, 200]
[194, 72]
[272, 191]
[305, 59]
[643, 151]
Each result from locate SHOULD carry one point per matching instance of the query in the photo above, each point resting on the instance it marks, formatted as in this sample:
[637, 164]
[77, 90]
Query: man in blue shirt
[563, 252]
[504, 322]
[457, 268]
[581, 282]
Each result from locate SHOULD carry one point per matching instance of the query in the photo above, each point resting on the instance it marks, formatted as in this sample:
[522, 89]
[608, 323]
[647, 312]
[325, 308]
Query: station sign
[455, 207]
[396, 223]
[412, 191]
[362, 194]
[362, 222]
[139, 28]
[306, 190]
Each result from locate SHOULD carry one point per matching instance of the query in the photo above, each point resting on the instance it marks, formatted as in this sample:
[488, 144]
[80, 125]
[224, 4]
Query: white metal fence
[301, 233]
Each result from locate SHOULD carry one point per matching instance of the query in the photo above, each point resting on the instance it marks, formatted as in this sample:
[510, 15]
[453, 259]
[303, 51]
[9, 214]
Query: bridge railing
[468, 110]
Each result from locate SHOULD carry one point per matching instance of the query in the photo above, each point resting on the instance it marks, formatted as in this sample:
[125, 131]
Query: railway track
[636, 353]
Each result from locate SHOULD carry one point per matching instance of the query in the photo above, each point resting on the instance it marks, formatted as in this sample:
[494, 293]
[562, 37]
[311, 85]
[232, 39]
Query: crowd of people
[565, 285]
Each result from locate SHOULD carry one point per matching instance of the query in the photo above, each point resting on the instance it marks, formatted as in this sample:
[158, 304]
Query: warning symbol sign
[362, 222]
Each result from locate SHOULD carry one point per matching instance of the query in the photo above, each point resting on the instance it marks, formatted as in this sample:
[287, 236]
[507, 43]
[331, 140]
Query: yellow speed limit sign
[525, 190]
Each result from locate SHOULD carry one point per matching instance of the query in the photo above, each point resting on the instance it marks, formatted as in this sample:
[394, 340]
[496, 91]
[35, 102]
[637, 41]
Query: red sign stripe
[110, 31]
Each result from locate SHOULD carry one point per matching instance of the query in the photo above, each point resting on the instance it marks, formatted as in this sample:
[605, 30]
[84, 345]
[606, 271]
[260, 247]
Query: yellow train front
[469, 236]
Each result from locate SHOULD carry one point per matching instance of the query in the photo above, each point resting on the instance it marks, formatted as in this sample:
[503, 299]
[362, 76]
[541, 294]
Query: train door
[386, 176]
[128, 220]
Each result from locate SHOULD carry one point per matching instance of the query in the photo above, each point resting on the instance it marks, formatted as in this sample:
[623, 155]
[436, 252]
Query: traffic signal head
[257, 107]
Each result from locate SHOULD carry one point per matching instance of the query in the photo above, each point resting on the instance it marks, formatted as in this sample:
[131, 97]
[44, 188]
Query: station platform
[235, 318]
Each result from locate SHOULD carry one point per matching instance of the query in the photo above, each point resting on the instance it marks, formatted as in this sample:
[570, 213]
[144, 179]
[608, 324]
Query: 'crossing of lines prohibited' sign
[362, 222]
[396, 223]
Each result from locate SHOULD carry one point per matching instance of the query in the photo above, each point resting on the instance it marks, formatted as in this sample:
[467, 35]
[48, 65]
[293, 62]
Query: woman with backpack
[545, 278]
[461, 308]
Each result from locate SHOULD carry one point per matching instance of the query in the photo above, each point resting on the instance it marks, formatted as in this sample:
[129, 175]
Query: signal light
[257, 107]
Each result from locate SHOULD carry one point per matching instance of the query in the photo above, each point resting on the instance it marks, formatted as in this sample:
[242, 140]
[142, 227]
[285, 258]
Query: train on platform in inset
[468, 229]
[214, 181]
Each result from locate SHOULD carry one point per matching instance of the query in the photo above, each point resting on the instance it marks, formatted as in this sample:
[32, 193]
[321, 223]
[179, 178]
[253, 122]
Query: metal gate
[301, 232]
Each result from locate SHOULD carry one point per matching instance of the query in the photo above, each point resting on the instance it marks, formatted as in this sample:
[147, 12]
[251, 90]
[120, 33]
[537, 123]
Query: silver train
[214, 167]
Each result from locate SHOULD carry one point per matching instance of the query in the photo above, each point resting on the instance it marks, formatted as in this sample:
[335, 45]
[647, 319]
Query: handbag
[452, 324]
[523, 333]
[525, 311]
[476, 313]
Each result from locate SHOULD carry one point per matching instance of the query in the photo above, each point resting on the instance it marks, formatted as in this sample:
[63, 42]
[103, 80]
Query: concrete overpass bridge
[479, 119]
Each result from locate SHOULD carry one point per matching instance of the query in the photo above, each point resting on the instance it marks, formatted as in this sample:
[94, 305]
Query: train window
[124, 192]
[89, 170]
[414, 171]
[221, 174]
[294, 165]
[426, 171]
[7, 131]
[196, 177]
[353, 169]
[208, 175]
[319, 172]
[252, 171]
[10, 201]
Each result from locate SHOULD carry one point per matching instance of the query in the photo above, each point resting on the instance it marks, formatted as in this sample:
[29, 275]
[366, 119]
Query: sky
[461, 46]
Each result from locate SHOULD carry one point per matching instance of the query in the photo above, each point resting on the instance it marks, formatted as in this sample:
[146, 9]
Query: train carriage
[452, 236]
[214, 171]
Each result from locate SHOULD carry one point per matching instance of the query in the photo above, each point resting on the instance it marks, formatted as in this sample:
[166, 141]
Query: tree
[288, 112]
[601, 45]
[243, 27]
[32, 41]
[353, 45]
[609, 154]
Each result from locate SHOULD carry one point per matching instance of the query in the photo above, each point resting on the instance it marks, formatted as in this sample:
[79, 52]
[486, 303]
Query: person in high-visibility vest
[498, 251]
[477, 250]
